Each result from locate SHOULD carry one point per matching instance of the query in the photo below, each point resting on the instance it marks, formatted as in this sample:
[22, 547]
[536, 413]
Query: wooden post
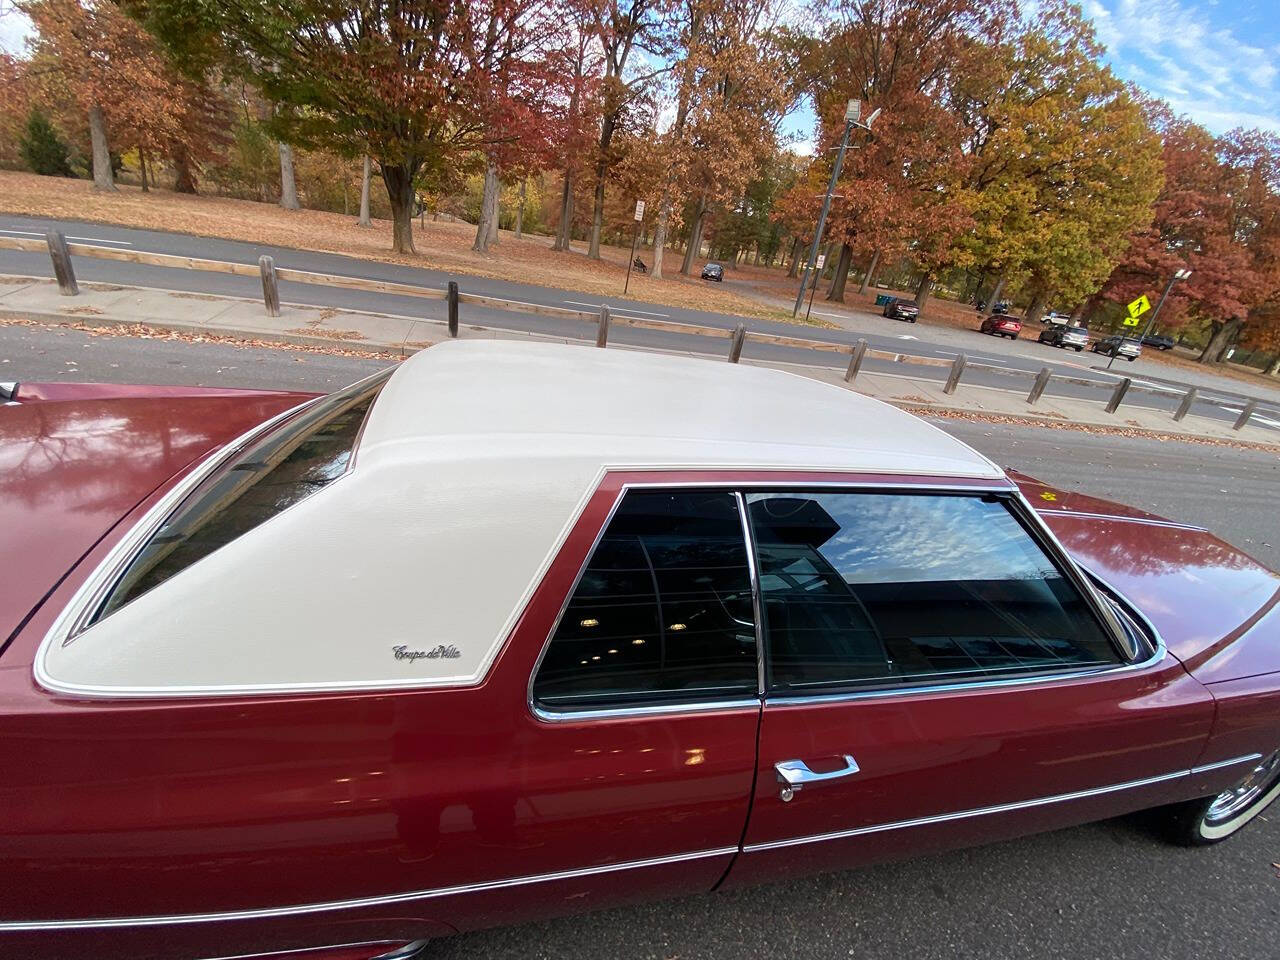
[1185, 406]
[953, 378]
[270, 288]
[61, 258]
[736, 341]
[452, 298]
[602, 331]
[1118, 394]
[855, 364]
[1037, 388]
[1245, 414]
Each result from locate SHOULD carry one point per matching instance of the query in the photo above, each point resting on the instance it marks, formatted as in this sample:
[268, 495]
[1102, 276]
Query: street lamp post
[852, 116]
[1180, 274]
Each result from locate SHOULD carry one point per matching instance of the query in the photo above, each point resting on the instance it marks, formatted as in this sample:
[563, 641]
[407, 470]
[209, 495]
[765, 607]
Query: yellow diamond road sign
[1139, 306]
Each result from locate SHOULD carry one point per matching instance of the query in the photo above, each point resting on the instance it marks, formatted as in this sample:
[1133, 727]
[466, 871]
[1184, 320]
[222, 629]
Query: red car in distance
[1001, 325]
[523, 629]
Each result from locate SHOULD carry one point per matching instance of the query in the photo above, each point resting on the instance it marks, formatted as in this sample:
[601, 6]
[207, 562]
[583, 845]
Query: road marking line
[579, 303]
[33, 233]
[907, 336]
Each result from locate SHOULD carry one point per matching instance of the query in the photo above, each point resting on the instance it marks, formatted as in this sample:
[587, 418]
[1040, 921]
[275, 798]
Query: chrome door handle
[794, 774]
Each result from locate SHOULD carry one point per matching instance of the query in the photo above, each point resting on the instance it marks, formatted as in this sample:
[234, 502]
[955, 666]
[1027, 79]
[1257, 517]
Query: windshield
[305, 453]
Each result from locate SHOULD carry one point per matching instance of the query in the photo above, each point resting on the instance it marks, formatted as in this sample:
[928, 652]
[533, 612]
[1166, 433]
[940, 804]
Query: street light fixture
[852, 118]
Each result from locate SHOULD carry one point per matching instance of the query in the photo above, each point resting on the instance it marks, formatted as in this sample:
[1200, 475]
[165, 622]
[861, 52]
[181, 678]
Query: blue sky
[1217, 61]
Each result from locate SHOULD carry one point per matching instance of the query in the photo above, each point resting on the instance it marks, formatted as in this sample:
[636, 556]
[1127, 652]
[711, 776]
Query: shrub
[42, 149]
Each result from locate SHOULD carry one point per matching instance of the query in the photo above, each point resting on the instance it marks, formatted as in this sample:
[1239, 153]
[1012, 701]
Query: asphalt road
[1002, 366]
[1105, 890]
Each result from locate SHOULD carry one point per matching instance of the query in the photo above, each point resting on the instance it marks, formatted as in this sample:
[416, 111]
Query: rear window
[306, 453]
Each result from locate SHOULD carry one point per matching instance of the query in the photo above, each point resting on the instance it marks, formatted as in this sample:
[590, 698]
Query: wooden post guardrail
[602, 330]
[452, 296]
[1245, 414]
[270, 287]
[1185, 406]
[855, 362]
[953, 378]
[736, 341]
[61, 258]
[1037, 388]
[1118, 394]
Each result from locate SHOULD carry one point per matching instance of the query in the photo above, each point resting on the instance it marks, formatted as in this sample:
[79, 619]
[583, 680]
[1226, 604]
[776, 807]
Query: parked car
[1054, 319]
[1003, 306]
[1076, 338]
[897, 309]
[1118, 346]
[1001, 326]
[713, 271]
[1159, 341]
[321, 678]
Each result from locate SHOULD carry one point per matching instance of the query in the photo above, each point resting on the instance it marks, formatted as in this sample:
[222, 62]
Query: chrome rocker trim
[176, 919]
[387, 899]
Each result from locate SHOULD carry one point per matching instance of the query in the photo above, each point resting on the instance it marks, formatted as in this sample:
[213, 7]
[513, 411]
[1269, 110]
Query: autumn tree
[110, 66]
[627, 31]
[1066, 164]
[573, 120]
[396, 81]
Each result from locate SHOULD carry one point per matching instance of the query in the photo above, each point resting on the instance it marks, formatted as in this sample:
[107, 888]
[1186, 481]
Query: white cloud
[1208, 71]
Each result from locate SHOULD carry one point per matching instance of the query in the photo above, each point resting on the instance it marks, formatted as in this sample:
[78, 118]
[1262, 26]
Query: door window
[662, 612]
[884, 589]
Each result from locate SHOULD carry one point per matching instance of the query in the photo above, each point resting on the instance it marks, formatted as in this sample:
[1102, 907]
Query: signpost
[635, 238]
[1140, 306]
[817, 275]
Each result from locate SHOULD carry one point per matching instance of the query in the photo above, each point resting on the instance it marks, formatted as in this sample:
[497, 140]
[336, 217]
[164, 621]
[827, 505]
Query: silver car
[1119, 347]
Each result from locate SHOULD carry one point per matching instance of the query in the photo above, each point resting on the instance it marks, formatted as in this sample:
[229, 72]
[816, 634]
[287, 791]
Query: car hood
[1215, 607]
[76, 458]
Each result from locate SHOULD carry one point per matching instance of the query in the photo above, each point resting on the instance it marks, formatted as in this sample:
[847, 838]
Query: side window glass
[885, 589]
[663, 611]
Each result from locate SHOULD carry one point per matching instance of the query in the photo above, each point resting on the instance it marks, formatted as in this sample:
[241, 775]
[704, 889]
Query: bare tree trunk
[660, 233]
[495, 209]
[365, 177]
[565, 233]
[794, 270]
[103, 178]
[924, 288]
[1220, 342]
[142, 167]
[399, 181]
[1035, 309]
[869, 277]
[488, 209]
[597, 218]
[695, 237]
[184, 175]
[995, 294]
[520, 212]
[288, 182]
[836, 293]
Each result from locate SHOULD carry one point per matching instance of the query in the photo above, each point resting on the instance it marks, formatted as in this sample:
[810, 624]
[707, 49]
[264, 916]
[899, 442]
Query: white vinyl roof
[637, 409]
[475, 462]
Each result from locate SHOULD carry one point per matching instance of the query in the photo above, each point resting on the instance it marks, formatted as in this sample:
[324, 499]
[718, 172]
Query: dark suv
[1076, 338]
[901, 310]
[713, 271]
[1159, 341]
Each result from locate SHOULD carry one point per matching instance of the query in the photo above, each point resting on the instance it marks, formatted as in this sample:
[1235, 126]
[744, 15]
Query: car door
[937, 675]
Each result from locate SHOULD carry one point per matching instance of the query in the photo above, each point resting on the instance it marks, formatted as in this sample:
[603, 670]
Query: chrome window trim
[672, 705]
[170, 920]
[1024, 512]
[1147, 521]
[757, 603]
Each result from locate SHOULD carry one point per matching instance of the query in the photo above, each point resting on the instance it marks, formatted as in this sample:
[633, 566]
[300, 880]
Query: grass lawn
[440, 245]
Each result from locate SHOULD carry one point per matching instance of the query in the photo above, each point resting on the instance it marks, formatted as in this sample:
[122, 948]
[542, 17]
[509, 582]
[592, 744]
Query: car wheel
[1209, 820]
[913, 319]
[1131, 359]
[1078, 349]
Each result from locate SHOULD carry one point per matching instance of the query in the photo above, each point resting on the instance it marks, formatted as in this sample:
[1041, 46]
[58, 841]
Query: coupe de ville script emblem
[444, 651]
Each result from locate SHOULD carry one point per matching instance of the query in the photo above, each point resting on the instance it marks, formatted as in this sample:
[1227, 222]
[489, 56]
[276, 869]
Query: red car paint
[369, 810]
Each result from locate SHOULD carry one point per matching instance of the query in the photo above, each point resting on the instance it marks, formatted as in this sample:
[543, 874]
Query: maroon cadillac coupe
[518, 630]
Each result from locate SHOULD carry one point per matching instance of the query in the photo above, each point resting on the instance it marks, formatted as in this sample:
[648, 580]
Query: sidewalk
[201, 314]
